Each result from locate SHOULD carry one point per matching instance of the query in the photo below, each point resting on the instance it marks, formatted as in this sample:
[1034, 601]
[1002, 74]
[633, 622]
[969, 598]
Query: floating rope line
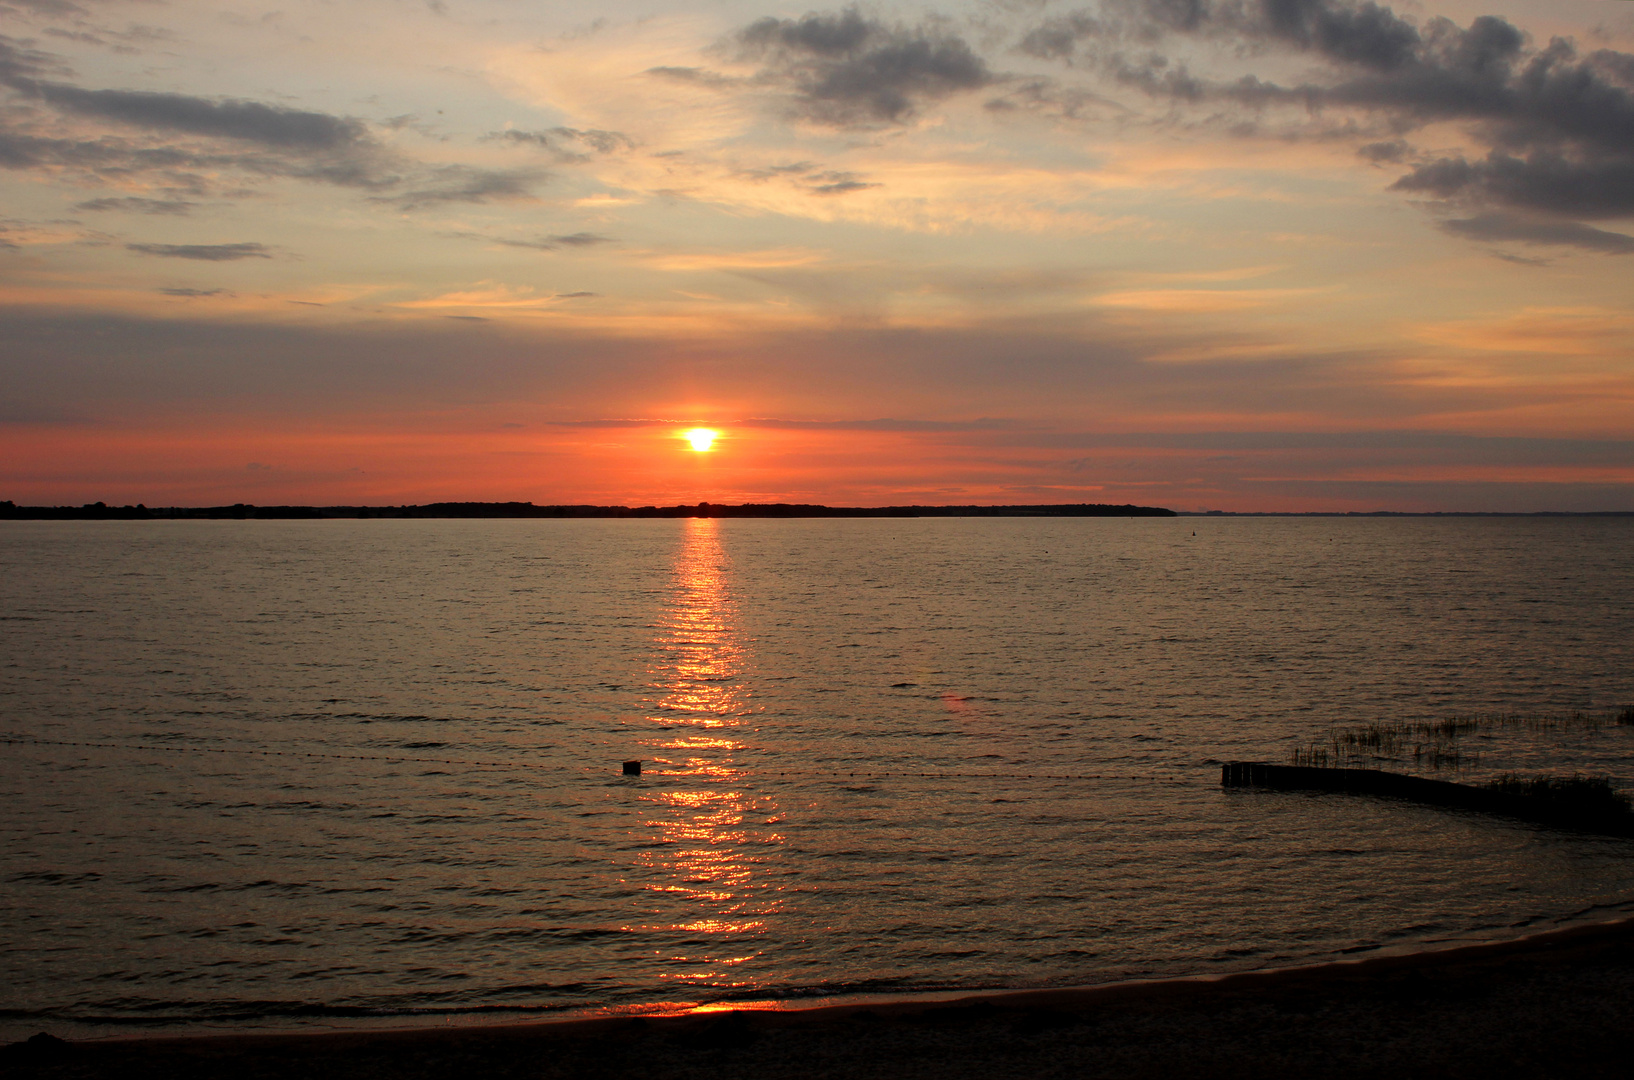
[818, 774]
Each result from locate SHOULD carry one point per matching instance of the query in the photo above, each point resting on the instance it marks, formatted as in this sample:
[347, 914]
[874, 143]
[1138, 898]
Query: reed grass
[1591, 795]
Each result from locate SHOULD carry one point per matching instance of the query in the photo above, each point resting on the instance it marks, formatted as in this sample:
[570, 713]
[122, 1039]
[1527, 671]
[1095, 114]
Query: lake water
[268, 773]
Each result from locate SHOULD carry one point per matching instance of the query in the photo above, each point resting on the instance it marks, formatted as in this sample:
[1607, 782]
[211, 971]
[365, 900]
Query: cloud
[1495, 226]
[848, 70]
[1556, 124]
[1590, 185]
[15, 235]
[136, 205]
[197, 293]
[51, 7]
[581, 239]
[838, 183]
[181, 138]
[542, 243]
[249, 121]
[117, 158]
[1362, 33]
[467, 184]
[807, 176]
[1392, 152]
[568, 144]
[204, 252]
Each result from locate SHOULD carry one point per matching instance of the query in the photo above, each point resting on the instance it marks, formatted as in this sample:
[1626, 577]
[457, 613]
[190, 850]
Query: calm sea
[267, 773]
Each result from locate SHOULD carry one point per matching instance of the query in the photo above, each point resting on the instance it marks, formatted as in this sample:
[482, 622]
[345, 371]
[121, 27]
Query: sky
[1247, 255]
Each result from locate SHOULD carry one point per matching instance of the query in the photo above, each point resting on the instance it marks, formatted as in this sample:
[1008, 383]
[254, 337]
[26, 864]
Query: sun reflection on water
[709, 833]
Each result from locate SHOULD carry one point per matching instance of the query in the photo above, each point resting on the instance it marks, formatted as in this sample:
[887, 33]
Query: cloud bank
[1556, 124]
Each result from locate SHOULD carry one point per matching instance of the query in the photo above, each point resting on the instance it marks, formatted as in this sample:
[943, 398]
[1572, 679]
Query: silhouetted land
[1556, 1005]
[242, 511]
[100, 512]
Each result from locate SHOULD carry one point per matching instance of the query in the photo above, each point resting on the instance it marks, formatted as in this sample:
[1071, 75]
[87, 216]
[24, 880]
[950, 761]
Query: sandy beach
[1556, 1004]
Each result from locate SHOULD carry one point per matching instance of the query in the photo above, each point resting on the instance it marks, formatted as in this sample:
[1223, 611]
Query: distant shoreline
[249, 511]
[243, 511]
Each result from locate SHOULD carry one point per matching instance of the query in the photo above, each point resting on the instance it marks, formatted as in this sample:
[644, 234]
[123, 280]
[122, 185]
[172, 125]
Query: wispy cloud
[567, 144]
[467, 184]
[135, 204]
[204, 252]
[541, 243]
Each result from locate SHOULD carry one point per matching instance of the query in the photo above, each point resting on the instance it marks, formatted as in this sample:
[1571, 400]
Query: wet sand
[1558, 1004]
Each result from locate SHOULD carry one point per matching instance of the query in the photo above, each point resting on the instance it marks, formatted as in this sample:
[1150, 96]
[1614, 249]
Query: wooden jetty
[1418, 789]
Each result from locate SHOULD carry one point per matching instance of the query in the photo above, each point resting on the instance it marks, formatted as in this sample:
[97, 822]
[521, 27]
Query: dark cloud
[250, 121]
[21, 64]
[1557, 124]
[1505, 227]
[133, 204]
[1351, 32]
[112, 158]
[1357, 33]
[197, 293]
[1582, 185]
[838, 183]
[465, 184]
[182, 137]
[1057, 38]
[1444, 446]
[204, 252]
[849, 70]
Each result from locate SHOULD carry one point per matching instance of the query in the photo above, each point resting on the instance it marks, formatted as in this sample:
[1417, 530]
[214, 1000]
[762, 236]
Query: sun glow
[701, 438]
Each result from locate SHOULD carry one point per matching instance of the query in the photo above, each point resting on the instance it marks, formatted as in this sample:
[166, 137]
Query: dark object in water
[632, 768]
[1580, 804]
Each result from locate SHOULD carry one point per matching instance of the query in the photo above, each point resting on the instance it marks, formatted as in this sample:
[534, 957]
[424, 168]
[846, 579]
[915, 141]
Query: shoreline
[1587, 968]
[905, 1002]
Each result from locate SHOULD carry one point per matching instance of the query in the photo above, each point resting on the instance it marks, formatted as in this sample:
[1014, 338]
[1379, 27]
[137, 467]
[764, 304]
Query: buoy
[632, 768]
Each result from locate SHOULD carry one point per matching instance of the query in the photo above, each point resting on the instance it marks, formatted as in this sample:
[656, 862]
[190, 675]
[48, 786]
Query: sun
[701, 438]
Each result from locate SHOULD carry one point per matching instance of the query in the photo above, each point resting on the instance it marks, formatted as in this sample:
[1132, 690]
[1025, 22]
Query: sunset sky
[1254, 255]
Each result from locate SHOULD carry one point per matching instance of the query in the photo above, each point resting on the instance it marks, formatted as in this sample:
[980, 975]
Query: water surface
[278, 772]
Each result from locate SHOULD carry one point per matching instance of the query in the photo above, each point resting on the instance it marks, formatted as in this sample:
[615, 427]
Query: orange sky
[1316, 254]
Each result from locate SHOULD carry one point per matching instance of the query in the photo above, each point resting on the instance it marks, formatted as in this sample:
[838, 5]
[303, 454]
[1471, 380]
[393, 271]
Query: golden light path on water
[710, 836]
